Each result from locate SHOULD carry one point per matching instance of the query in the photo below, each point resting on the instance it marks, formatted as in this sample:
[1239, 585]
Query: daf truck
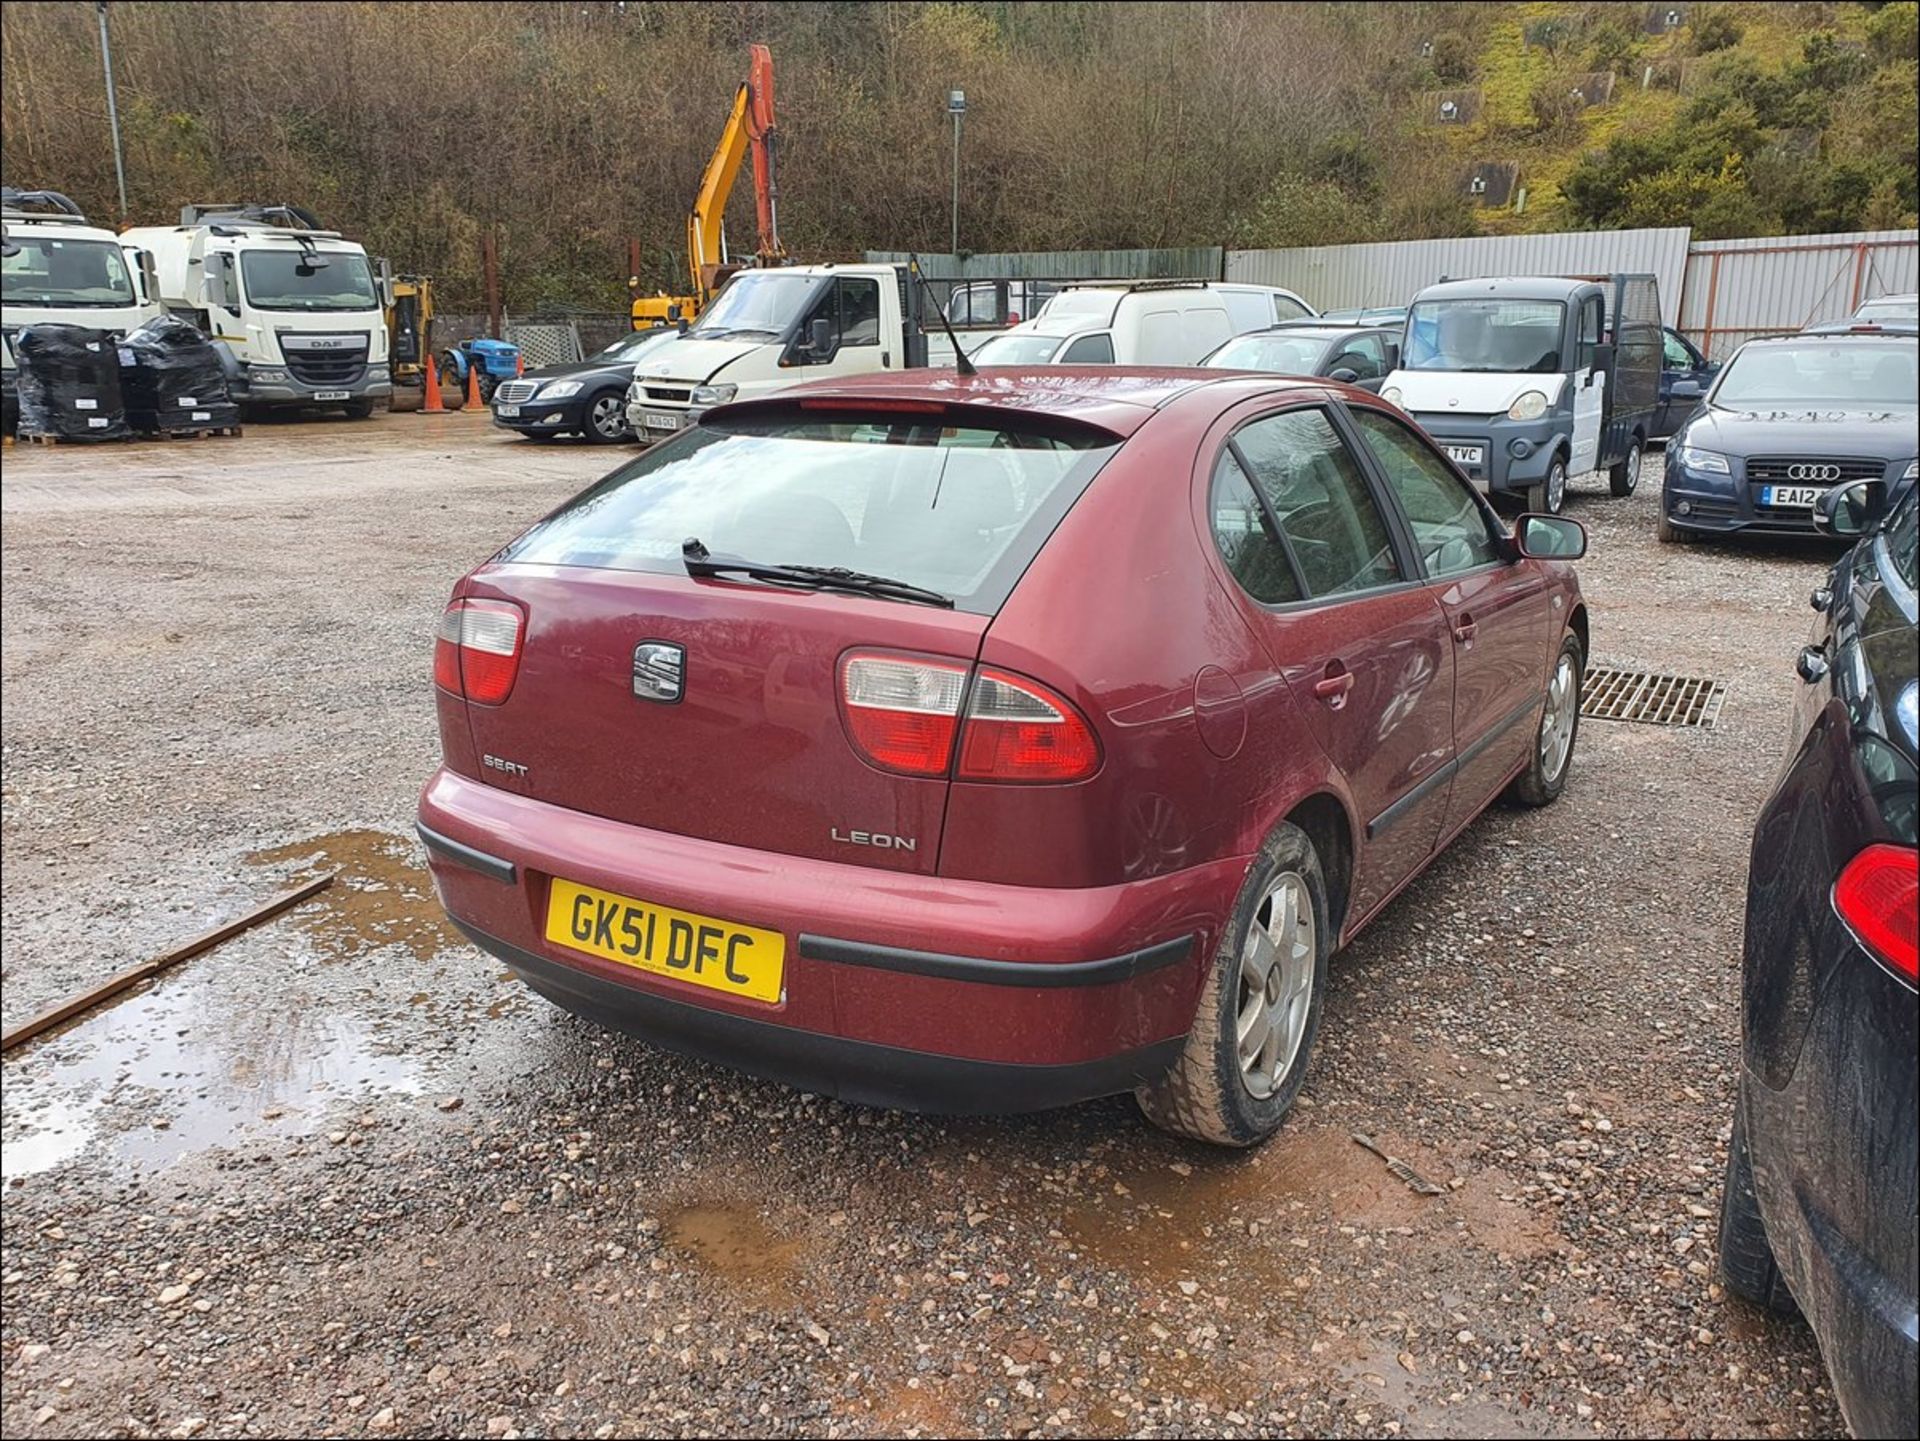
[55, 268]
[299, 310]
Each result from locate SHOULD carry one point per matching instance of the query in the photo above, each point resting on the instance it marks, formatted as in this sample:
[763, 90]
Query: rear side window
[1252, 549]
[961, 509]
[1317, 492]
[1089, 350]
[1903, 540]
[1285, 307]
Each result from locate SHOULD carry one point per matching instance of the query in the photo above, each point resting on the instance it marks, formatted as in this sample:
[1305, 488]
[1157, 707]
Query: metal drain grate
[1662, 700]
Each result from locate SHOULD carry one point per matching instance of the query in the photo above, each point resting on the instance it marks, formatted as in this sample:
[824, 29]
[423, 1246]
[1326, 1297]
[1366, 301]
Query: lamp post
[956, 107]
[113, 110]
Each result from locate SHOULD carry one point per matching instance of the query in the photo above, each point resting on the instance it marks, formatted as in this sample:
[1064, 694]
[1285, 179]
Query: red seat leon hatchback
[991, 743]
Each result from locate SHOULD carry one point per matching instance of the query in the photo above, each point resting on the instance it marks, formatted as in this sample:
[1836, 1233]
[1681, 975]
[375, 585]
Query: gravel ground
[341, 1176]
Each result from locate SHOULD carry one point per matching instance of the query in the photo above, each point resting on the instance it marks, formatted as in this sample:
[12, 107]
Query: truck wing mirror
[820, 338]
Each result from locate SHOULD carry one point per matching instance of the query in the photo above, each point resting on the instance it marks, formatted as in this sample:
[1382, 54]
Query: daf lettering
[879, 840]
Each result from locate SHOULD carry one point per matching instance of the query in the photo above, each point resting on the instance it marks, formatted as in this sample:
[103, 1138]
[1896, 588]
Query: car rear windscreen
[961, 509]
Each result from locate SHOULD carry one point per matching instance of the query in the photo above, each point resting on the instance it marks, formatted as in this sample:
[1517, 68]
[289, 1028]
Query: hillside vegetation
[570, 129]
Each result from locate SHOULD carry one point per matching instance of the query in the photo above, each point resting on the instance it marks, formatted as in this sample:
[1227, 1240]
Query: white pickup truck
[777, 327]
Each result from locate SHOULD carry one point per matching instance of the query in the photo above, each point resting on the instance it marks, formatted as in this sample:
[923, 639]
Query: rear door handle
[1465, 631]
[1334, 685]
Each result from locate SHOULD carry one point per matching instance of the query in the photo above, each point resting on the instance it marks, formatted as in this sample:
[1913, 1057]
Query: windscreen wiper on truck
[699, 561]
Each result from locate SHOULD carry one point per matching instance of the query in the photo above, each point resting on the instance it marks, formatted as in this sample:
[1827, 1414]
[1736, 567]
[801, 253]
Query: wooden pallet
[38, 439]
[202, 432]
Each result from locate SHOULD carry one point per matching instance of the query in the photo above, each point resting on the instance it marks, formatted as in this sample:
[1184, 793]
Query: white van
[1144, 322]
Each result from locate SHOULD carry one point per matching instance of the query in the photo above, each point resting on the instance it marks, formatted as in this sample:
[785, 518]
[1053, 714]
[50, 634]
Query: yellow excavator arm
[706, 222]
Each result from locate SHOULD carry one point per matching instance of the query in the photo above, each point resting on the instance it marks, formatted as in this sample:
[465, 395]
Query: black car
[1362, 355]
[1788, 419]
[1685, 374]
[582, 397]
[1819, 1208]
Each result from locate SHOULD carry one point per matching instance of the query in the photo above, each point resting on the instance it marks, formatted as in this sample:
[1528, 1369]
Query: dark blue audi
[1821, 1207]
[1787, 420]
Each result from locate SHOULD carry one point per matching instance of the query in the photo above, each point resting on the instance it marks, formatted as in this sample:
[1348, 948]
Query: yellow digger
[750, 126]
[410, 339]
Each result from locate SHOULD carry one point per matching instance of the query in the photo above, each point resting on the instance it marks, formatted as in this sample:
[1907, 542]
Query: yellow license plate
[702, 951]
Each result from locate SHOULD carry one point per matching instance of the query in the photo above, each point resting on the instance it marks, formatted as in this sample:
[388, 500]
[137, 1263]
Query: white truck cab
[298, 309]
[1143, 322]
[775, 327]
[58, 269]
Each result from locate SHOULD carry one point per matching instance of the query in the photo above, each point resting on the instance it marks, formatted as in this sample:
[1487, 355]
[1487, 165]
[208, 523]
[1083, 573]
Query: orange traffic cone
[519, 364]
[433, 405]
[473, 386]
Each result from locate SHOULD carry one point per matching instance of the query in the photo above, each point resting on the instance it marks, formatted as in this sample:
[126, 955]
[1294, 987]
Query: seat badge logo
[659, 671]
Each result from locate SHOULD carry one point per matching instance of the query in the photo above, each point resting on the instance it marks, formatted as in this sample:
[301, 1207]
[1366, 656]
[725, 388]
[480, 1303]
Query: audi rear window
[961, 509]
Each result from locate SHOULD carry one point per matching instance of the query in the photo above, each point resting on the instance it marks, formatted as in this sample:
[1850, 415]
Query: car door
[1684, 376]
[1361, 641]
[1366, 357]
[1589, 390]
[1500, 610]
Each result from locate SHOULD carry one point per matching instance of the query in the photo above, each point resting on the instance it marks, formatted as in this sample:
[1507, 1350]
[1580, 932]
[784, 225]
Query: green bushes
[1715, 28]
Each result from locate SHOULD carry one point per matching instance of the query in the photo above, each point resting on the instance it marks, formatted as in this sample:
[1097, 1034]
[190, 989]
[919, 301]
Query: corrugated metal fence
[1737, 289]
[1717, 292]
[1336, 277]
[1198, 262]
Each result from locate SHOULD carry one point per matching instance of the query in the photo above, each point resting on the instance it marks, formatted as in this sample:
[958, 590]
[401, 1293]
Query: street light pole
[113, 109]
[956, 107]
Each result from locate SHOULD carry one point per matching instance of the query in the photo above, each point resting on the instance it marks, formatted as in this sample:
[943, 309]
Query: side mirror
[1688, 389]
[1603, 356]
[820, 338]
[1345, 375]
[385, 283]
[1549, 537]
[1850, 510]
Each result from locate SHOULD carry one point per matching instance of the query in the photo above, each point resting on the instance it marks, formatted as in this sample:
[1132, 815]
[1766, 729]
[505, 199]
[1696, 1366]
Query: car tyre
[1625, 476]
[1550, 495]
[1546, 774]
[606, 416]
[1746, 1256]
[1667, 532]
[1265, 983]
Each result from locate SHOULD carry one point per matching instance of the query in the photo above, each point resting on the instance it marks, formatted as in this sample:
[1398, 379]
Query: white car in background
[1143, 322]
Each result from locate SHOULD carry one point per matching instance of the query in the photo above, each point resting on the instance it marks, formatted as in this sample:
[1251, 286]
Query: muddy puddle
[188, 1065]
[382, 895]
[256, 1039]
[734, 1243]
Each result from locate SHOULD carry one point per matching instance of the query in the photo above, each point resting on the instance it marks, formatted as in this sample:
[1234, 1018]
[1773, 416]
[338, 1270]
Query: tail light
[476, 651]
[904, 714]
[1878, 896]
[1018, 730]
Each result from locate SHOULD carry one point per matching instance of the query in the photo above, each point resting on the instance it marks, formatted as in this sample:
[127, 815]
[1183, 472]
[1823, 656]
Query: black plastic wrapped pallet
[173, 380]
[69, 382]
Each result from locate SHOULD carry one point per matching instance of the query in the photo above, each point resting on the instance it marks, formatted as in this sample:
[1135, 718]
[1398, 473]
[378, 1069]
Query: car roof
[1841, 330]
[1116, 398]
[1325, 329]
[1511, 287]
[1063, 322]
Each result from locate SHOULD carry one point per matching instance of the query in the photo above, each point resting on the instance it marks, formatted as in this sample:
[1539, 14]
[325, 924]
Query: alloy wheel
[1556, 487]
[609, 417]
[1275, 992]
[1556, 726]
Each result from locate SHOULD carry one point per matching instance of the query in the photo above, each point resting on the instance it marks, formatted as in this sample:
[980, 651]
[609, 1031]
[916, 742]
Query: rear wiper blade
[699, 561]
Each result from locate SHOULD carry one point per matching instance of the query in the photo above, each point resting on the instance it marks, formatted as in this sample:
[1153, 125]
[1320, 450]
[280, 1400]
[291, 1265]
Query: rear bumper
[863, 1072]
[897, 987]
